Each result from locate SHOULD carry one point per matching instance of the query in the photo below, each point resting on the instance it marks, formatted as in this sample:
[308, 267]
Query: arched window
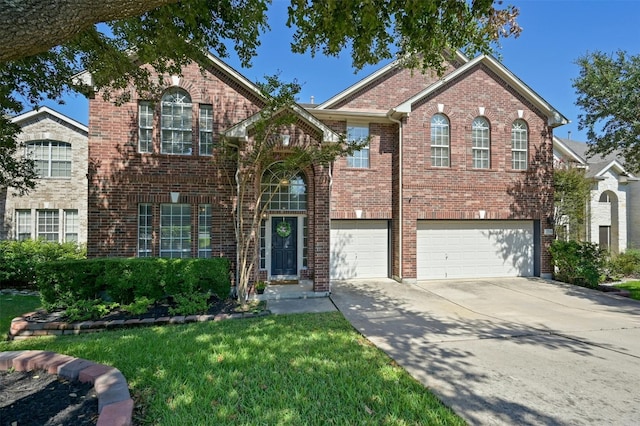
[519, 145]
[52, 158]
[176, 123]
[282, 192]
[481, 143]
[440, 141]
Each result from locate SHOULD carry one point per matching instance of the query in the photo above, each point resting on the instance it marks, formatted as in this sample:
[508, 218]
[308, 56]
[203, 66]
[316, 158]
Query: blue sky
[555, 33]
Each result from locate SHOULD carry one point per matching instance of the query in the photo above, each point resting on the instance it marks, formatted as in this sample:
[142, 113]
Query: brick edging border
[22, 328]
[115, 406]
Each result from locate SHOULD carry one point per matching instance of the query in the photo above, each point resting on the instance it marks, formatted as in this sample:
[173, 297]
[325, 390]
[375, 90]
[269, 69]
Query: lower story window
[204, 230]
[23, 225]
[145, 230]
[71, 225]
[175, 230]
[48, 225]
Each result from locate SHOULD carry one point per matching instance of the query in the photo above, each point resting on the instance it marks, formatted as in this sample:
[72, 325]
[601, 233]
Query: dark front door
[284, 246]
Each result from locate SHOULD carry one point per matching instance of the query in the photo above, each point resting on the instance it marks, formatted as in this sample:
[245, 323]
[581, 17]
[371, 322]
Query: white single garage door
[359, 249]
[474, 248]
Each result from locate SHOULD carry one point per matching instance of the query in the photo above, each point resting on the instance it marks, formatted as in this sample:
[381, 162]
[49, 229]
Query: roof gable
[44, 111]
[554, 118]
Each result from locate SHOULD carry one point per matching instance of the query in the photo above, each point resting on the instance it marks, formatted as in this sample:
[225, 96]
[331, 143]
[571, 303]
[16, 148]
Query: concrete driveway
[515, 351]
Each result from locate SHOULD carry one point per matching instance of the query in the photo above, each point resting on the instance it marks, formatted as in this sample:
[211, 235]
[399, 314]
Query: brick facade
[59, 195]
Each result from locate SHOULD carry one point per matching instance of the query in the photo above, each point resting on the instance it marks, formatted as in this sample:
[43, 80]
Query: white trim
[46, 110]
[268, 230]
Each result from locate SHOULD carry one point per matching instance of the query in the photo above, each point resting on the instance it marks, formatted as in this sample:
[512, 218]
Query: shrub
[79, 285]
[626, 264]
[18, 260]
[580, 263]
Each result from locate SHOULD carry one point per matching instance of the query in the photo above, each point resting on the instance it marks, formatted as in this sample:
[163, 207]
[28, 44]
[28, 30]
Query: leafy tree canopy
[608, 90]
[44, 43]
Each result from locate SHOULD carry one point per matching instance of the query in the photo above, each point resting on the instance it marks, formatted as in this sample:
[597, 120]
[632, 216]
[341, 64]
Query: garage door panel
[359, 249]
[467, 249]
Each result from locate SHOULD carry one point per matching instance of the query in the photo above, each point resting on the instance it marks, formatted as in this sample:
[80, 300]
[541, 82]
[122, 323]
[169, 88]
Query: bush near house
[88, 289]
[18, 260]
[626, 264]
[580, 263]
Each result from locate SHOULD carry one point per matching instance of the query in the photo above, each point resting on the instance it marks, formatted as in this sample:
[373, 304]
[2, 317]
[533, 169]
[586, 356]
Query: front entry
[284, 245]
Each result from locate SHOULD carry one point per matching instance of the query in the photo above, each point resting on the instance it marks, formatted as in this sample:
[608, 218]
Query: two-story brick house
[456, 180]
[56, 210]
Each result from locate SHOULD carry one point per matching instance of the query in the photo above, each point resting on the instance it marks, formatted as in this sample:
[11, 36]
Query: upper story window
[206, 129]
[145, 127]
[519, 144]
[175, 123]
[360, 158]
[481, 143]
[439, 141]
[52, 158]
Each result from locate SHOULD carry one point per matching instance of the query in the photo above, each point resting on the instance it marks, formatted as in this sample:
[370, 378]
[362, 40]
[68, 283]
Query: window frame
[145, 230]
[205, 130]
[172, 242]
[48, 225]
[24, 224]
[71, 225]
[481, 143]
[145, 144]
[204, 230]
[173, 109]
[42, 153]
[521, 152]
[361, 158]
[438, 136]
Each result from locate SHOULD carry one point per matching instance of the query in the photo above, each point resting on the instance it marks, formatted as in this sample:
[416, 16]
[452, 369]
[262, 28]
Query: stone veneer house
[614, 208]
[456, 181]
[56, 210]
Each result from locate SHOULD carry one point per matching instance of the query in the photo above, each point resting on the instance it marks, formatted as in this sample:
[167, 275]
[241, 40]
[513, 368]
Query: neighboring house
[56, 210]
[613, 213]
[457, 180]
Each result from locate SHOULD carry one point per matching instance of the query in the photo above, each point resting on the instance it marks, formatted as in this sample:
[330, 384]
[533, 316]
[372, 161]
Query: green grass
[12, 306]
[633, 287]
[309, 369]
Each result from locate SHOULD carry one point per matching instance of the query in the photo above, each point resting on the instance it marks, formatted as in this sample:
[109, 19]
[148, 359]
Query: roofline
[45, 109]
[371, 77]
[618, 165]
[566, 149]
[554, 118]
[371, 116]
[240, 130]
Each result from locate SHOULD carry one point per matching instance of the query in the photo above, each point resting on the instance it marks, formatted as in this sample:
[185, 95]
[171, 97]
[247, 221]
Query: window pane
[480, 143]
[282, 193]
[176, 134]
[359, 159]
[206, 129]
[175, 230]
[52, 158]
[48, 225]
[204, 230]
[439, 141]
[145, 123]
[23, 225]
[71, 225]
[519, 143]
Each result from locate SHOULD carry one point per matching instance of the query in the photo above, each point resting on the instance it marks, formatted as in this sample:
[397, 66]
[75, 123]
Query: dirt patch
[37, 398]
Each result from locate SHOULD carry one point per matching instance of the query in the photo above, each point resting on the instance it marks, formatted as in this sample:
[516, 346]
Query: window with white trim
[48, 226]
[52, 158]
[206, 130]
[145, 230]
[175, 230]
[263, 244]
[283, 192]
[204, 231]
[519, 145]
[71, 225]
[481, 143]
[359, 159]
[176, 123]
[439, 141]
[23, 225]
[145, 127]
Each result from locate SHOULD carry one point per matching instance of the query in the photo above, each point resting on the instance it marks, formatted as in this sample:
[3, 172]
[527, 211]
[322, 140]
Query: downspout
[330, 194]
[400, 227]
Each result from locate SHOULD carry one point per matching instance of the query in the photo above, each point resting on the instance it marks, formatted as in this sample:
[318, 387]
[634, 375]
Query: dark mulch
[38, 398]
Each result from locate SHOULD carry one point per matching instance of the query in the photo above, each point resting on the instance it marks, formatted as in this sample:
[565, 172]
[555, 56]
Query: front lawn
[12, 306]
[633, 287]
[311, 369]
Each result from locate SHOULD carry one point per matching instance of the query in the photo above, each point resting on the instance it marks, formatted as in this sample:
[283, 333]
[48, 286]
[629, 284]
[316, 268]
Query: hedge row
[125, 281]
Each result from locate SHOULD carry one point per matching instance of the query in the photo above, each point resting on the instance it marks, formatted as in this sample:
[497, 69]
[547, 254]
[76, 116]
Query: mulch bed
[38, 398]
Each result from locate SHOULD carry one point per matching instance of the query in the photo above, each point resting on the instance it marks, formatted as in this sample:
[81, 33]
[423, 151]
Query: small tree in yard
[261, 151]
[571, 194]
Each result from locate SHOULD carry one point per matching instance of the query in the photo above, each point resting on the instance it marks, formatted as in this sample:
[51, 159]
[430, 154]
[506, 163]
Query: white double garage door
[444, 249]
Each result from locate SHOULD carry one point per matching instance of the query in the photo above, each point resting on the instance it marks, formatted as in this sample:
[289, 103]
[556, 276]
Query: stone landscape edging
[115, 406]
[23, 328]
